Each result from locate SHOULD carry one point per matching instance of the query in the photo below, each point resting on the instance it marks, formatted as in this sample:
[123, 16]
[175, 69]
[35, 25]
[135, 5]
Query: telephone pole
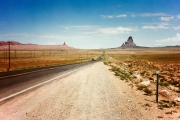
[9, 57]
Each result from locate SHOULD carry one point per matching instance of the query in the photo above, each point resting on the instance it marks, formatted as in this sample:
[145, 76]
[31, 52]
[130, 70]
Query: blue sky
[91, 23]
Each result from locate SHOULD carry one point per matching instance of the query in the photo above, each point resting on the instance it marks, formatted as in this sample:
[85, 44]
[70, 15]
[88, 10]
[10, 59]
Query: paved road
[92, 93]
[15, 81]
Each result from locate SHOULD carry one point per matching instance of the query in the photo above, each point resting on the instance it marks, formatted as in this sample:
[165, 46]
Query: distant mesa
[11, 43]
[129, 43]
[64, 43]
[19, 46]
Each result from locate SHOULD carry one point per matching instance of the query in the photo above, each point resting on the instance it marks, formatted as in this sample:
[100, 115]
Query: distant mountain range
[4, 45]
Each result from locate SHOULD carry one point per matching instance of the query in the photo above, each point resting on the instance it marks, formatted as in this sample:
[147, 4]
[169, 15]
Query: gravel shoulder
[91, 93]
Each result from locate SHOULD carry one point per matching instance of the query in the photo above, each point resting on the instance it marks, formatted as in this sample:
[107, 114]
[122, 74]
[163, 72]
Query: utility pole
[9, 57]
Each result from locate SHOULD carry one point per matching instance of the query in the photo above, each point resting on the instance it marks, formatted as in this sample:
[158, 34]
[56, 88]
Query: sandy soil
[92, 93]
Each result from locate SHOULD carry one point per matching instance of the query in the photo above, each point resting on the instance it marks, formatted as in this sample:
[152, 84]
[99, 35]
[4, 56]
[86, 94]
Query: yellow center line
[26, 73]
[37, 85]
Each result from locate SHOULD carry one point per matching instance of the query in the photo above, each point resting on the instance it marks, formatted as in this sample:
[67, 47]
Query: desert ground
[92, 93]
[107, 90]
[23, 59]
[138, 68]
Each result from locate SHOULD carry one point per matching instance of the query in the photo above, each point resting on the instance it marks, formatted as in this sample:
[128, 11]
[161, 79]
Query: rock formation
[11, 43]
[19, 46]
[64, 43]
[129, 43]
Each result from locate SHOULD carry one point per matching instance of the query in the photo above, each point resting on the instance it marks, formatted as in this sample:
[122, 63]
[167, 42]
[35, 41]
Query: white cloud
[167, 18]
[155, 27]
[176, 27]
[174, 39]
[178, 16]
[107, 16]
[153, 14]
[157, 23]
[113, 16]
[83, 27]
[165, 24]
[158, 44]
[90, 33]
[123, 15]
[118, 30]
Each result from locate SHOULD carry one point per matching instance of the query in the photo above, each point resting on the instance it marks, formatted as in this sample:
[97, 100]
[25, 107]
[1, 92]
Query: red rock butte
[19, 46]
[129, 43]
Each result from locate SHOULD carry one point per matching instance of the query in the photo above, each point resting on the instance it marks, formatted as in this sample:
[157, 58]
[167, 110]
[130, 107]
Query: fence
[36, 58]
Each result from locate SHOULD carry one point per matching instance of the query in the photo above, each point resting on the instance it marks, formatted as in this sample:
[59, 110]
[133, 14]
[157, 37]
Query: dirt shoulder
[91, 93]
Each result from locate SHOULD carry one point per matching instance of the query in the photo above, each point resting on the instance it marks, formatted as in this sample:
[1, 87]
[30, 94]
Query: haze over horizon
[91, 23]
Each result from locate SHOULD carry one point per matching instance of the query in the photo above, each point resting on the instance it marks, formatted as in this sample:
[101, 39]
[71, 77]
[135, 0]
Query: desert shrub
[164, 84]
[114, 69]
[105, 63]
[141, 87]
[150, 78]
[174, 82]
[159, 117]
[130, 65]
[147, 91]
[148, 105]
[121, 73]
[143, 73]
[170, 112]
[127, 76]
[131, 72]
[166, 104]
[116, 74]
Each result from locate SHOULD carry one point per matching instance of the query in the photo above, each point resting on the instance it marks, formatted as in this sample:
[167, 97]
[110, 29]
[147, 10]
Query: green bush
[164, 84]
[116, 74]
[105, 63]
[114, 69]
[141, 87]
[121, 73]
[147, 91]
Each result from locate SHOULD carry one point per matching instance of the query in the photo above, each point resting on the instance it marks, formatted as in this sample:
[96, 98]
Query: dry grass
[143, 64]
[148, 61]
[31, 59]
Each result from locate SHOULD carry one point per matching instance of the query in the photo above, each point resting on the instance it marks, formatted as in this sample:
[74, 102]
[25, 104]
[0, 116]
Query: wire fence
[20, 59]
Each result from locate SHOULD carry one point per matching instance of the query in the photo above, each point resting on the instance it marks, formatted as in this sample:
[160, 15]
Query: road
[13, 83]
[92, 93]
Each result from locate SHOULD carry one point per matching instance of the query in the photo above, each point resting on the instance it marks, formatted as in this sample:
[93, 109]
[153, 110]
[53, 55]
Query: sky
[91, 23]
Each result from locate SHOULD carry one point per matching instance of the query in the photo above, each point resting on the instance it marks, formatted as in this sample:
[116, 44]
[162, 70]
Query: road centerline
[32, 87]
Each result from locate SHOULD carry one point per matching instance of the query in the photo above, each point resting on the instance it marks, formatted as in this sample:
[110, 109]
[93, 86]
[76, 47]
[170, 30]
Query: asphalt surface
[13, 82]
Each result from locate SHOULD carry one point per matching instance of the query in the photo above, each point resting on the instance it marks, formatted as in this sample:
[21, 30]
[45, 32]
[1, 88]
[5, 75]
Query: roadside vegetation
[138, 68]
[39, 58]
